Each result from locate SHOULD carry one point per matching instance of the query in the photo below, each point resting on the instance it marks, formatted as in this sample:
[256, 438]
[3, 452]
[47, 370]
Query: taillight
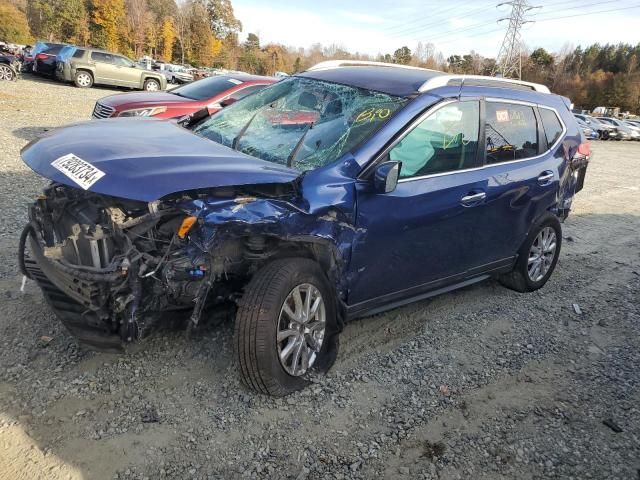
[42, 56]
[584, 149]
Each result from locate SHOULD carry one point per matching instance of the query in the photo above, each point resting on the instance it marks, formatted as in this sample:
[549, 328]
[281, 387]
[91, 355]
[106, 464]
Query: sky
[453, 26]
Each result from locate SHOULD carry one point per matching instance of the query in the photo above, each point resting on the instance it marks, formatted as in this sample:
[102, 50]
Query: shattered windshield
[300, 122]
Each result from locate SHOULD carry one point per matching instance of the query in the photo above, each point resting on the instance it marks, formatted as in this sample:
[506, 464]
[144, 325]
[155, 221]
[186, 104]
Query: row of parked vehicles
[86, 67]
[608, 128]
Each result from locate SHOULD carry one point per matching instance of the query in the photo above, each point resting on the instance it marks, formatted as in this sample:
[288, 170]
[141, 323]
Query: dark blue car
[337, 193]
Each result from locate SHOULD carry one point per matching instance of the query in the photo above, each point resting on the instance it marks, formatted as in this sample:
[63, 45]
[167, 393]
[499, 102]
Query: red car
[213, 93]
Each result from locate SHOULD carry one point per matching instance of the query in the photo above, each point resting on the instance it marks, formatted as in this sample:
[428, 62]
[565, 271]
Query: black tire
[518, 279]
[83, 79]
[151, 81]
[257, 321]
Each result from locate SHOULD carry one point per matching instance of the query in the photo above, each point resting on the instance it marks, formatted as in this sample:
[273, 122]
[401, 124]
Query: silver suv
[87, 66]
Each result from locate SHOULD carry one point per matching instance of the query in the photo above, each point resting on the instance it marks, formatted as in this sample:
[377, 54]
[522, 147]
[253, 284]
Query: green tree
[402, 56]
[71, 14]
[222, 19]
[541, 57]
[13, 24]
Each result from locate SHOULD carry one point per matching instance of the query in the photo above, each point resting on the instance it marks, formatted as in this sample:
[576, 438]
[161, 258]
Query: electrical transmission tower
[509, 62]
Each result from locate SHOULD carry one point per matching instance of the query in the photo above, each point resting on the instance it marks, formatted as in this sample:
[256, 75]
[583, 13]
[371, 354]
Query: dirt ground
[482, 383]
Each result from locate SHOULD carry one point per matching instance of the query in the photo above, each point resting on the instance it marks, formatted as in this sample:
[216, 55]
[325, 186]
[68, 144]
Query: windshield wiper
[296, 149]
[243, 130]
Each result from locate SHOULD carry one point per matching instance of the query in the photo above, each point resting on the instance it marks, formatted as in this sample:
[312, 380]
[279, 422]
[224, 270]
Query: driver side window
[445, 141]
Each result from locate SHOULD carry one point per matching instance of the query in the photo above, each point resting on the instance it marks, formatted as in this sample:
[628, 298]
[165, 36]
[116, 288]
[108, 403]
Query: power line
[429, 18]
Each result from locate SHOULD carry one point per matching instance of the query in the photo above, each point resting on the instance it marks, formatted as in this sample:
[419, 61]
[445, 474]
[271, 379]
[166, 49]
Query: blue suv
[349, 189]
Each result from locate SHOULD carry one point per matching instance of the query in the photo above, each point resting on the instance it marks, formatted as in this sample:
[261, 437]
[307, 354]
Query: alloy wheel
[541, 254]
[5, 73]
[301, 329]
[152, 86]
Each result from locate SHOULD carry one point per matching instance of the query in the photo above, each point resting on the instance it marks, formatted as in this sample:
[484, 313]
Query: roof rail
[362, 63]
[480, 80]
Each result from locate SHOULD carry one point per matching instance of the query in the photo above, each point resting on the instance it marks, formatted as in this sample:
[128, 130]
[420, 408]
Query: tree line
[206, 33]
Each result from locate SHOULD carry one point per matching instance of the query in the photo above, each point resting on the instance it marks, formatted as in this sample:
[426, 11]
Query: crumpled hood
[144, 159]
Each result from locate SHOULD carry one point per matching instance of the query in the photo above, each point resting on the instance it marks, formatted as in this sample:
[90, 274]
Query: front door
[419, 236]
[127, 73]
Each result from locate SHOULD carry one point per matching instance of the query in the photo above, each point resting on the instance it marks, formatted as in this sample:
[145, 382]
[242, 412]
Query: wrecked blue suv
[346, 190]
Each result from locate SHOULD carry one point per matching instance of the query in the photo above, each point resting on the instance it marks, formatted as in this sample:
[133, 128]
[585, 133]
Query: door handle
[545, 177]
[473, 198]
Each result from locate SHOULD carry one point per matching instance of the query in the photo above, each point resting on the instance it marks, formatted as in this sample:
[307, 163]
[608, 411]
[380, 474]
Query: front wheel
[151, 85]
[537, 257]
[285, 326]
[6, 72]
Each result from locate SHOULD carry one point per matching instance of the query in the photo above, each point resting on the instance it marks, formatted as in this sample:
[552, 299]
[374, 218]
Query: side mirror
[385, 178]
[228, 101]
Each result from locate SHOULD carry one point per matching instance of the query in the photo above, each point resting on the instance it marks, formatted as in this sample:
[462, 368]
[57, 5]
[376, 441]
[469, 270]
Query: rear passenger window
[78, 53]
[511, 132]
[552, 126]
[102, 57]
[445, 141]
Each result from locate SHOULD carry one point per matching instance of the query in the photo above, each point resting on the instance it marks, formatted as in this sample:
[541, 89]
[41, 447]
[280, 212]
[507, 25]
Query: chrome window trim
[494, 100]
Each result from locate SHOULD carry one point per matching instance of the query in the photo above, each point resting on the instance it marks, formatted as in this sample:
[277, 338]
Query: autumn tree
[107, 19]
[13, 24]
[139, 20]
[167, 38]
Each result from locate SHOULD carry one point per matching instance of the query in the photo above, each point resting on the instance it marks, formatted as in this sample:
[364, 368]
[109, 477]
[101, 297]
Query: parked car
[349, 189]
[624, 132]
[44, 62]
[89, 66]
[176, 74]
[605, 130]
[211, 93]
[31, 53]
[589, 133]
[9, 67]
[634, 126]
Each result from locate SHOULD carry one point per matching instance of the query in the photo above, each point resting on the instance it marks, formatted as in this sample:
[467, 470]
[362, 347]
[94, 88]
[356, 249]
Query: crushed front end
[110, 267]
[113, 268]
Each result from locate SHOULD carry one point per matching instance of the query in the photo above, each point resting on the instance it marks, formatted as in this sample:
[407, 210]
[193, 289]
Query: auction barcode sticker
[81, 172]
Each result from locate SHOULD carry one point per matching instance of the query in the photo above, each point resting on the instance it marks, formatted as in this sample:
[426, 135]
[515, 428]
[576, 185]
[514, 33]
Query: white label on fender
[81, 172]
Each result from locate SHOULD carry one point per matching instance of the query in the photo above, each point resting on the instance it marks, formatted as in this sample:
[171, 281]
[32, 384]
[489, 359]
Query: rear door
[523, 176]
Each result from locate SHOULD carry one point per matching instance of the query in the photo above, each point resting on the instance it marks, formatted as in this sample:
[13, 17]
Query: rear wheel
[83, 79]
[537, 257]
[285, 326]
[151, 85]
[6, 72]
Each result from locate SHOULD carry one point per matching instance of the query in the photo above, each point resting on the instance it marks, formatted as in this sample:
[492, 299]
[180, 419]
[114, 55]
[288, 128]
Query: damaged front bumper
[109, 267]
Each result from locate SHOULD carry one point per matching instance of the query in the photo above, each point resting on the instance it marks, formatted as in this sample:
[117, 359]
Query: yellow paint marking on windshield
[373, 114]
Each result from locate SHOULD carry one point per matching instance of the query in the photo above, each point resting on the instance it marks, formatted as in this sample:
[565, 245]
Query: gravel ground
[482, 383]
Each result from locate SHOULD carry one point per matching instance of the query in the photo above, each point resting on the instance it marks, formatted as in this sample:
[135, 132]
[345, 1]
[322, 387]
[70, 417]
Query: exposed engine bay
[128, 265]
[124, 261]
